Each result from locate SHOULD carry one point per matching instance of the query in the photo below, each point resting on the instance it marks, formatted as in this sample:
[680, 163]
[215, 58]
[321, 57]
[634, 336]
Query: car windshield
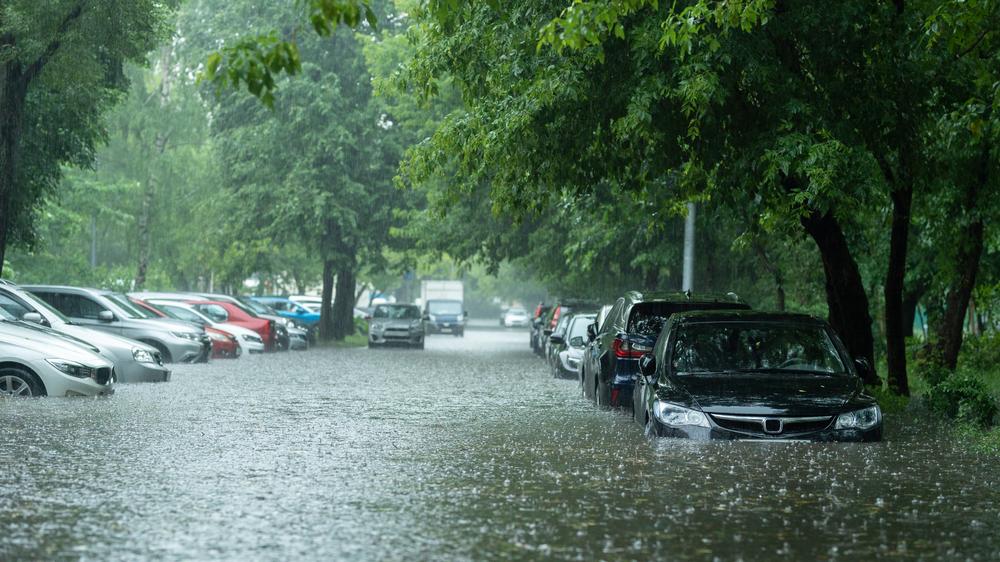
[733, 347]
[130, 310]
[396, 312]
[183, 313]
[444, 307]
[647, 318]
[579, 326]
[517, 312]
[256, 307]
[4, 315]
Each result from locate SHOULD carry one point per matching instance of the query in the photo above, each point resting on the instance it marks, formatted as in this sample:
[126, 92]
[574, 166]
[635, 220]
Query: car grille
[103, 375]
[772, 426]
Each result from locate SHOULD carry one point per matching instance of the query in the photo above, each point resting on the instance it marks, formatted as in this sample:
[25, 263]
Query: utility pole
[688, 282]
[93, 241]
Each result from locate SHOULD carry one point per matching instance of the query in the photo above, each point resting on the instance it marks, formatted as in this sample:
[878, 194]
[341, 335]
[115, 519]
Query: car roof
[681, 296]
[709, 316]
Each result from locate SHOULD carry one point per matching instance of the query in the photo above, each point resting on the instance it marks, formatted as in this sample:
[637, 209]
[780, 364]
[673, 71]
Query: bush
[928, 365]
[965, 398]
[981, 353]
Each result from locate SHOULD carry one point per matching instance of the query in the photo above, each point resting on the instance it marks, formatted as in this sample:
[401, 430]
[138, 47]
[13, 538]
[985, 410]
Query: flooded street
[467, 450]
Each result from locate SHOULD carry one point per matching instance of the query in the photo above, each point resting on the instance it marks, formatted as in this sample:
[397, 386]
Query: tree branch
[974, 44]
[51, 49]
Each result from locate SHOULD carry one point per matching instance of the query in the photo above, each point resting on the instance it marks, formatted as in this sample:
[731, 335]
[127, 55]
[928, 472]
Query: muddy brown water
[468, 450]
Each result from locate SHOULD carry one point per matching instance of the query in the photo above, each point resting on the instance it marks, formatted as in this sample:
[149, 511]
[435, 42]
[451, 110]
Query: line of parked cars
[709, 367]
[73, 341]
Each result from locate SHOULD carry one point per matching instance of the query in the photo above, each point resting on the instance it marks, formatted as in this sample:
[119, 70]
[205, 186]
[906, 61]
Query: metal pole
[93, 241]
[688, 282]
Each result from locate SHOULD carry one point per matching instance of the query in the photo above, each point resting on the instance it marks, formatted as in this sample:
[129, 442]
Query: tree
[61, 70]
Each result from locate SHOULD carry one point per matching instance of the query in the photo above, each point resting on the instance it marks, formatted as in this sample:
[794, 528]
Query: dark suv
[610, 362]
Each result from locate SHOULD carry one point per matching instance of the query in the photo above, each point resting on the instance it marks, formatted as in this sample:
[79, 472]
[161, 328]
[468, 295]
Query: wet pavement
[467, 450]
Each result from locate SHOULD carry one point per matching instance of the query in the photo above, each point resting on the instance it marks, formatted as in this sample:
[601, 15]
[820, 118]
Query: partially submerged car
[754, 375]
[400, 324]
[569, 346]
[34, 361]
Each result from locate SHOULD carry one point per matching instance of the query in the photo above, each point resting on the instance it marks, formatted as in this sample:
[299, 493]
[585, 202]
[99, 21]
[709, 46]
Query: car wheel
[18, 383]
[603, 393]
[420, 345]
[653, 428]
[164, 354]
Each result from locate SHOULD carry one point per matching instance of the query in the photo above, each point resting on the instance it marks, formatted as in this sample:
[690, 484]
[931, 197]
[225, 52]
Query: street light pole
[688, 282]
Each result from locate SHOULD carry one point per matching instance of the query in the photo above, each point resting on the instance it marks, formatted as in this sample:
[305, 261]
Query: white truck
[444, 306]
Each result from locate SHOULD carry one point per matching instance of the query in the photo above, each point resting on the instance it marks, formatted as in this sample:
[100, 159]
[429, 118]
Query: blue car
[290, 309]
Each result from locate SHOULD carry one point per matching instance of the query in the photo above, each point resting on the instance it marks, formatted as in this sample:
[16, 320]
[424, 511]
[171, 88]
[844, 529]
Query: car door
[82, 310]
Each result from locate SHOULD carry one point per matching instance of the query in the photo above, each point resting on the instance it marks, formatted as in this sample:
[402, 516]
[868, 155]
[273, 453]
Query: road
[467, 450]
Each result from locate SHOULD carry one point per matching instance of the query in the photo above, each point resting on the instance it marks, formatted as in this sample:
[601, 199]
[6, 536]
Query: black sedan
[753, 375]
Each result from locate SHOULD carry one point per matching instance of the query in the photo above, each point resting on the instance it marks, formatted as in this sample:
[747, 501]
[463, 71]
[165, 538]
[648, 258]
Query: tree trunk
[325, 308]
[845, 292]
[959, 293]
[343, 305]
[911, 298]
[13, 93]
[895, 331]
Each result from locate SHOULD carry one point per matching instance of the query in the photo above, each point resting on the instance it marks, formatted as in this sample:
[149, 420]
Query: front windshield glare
[745, 346]
[396, 312]
[131, 310]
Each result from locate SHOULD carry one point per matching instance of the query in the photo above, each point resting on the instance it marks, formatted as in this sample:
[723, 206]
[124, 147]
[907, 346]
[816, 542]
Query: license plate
[446, 325]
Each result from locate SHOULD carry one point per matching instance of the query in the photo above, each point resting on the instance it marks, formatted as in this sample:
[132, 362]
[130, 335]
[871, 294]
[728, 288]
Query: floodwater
[467, 450]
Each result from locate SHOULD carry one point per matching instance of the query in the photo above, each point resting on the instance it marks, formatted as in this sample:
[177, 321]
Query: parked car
[247, 339]
[113, 313]
[134, 361]
[229, 313]
[515, 317]
[36, 361]
[754, 375]
[569, 346]
[561, 308]
[445, 316]
[537, 320]
[396, 324]
[610, 362]
[556, 339]
[286, 308]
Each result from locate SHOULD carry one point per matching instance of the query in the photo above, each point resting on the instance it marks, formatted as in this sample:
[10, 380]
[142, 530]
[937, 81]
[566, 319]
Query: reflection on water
[466, 450]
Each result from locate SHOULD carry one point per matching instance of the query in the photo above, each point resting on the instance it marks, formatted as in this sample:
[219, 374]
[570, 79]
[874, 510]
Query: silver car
[396, 324]
[177, 342]
[134, 361]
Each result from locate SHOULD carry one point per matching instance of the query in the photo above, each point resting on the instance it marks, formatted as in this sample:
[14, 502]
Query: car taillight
[555, 318]
[625, 349]
[538, 310]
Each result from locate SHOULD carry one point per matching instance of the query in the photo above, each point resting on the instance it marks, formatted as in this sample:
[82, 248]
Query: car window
[181, 313]
[74, 306]
[130, 310]
[444, 307]
[396, 312]
[579, 327]
[216, 312]
[722, 347]
[611, 320]
[13, 307]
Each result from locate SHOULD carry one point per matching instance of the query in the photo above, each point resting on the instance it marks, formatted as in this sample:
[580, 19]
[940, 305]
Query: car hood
[49, 345]
[103, 340]
[769, 393]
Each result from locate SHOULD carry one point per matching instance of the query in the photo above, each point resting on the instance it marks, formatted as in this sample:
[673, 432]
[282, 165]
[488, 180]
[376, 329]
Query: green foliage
[963, 397]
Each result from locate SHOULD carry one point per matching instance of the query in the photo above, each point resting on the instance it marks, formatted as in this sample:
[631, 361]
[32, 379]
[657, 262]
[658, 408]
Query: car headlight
[72, 368]
[193, 336]
[217, 337]
[142, 356]
[865, 418]
[253, 338]
[376, 327]
[674, 415]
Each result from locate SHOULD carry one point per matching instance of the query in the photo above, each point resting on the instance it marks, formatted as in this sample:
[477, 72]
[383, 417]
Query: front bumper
[445, 327]
[388, 337]
[58, 383]
[719, 433]
[134, 371]
[189, 351]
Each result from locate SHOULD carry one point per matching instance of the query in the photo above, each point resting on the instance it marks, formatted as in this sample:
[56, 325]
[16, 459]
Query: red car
[221, 311]
[224, 344]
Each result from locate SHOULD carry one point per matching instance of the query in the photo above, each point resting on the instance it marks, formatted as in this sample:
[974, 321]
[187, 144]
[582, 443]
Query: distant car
[445, 316]
[611, 360]
[754, 375]
[36, 362]
[569, 345]
[247, 339]
[134, 361]
[290, 309]
[537, 320]
[227, 312]
[515, 318]
[111, 312]
[396, 324]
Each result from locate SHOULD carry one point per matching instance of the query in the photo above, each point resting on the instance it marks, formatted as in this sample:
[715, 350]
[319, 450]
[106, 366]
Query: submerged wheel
[18, 383]
[602, 396]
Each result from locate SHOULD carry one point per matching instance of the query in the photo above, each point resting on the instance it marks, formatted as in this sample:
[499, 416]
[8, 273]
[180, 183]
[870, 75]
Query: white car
[249, 340]
[36, 362]
[515, 317]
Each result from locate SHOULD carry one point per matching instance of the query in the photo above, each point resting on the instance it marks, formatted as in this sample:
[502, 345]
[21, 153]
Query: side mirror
[591, 332]
[465, 314]
[864, 367]
[106, 316]
[32, 317]
[426, 317]
[647, 366]
[557, 339]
